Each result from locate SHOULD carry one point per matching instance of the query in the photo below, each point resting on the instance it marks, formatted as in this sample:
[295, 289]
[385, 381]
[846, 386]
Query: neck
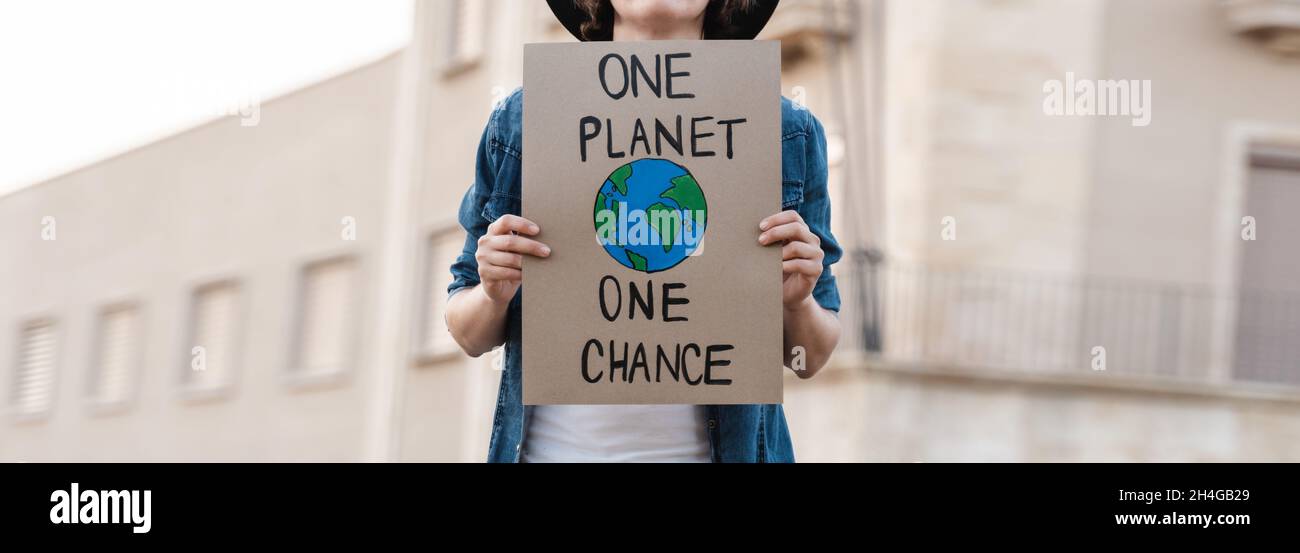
[625, 29]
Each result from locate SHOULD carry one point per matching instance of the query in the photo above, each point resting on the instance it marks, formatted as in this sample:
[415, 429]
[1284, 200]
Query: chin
[661, 10]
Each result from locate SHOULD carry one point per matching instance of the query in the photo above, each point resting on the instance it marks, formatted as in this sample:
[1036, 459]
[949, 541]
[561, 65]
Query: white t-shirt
[616, 434]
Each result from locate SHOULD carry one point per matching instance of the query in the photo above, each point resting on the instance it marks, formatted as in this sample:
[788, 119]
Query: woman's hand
[500, 256]
[809, 331]
[801, 256]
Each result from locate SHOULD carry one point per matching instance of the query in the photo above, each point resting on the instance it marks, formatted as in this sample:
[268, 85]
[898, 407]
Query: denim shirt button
[712, 424]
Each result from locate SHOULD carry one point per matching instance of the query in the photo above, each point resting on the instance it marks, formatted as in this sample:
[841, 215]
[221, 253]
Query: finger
[795, 232]
[784, 217]
[513, 223]
[514, 243]
[503, 259]
[801, 250]
[499, 274]
[805, 267]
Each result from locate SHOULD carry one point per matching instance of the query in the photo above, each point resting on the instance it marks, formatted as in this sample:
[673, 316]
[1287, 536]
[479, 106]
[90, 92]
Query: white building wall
[252, 204]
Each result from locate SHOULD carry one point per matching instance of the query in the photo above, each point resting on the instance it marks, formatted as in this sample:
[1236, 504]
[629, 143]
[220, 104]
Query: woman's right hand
[500, 256]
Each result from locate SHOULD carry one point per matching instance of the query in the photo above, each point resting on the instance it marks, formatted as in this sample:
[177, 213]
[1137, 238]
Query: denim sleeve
[816, 212]
[464, 271]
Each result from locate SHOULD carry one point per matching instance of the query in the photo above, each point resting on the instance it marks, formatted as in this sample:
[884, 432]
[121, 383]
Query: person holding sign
[485, 307]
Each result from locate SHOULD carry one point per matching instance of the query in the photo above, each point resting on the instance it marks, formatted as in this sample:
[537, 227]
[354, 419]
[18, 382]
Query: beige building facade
[274, 292]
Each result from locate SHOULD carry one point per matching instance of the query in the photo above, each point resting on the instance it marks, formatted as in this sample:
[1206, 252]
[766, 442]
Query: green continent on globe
[619, 178]
[686, 192]
[638, 262]
[660, 213]
[600, 206]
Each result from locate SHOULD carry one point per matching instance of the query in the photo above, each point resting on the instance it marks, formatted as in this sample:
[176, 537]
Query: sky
[83, 80]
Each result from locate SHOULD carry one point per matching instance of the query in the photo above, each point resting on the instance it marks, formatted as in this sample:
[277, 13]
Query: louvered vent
[34, 388]
[325, 330]
[216, 309]
[119, 346]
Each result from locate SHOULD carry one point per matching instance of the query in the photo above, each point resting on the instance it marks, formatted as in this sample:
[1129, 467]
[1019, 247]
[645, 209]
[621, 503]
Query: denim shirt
[737, 433]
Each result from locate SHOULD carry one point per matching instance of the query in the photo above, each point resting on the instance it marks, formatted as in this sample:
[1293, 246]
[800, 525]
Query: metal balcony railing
[1024, 322]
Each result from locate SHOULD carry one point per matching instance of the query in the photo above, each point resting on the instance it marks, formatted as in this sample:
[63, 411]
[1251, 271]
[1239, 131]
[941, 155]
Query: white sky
[82, 80]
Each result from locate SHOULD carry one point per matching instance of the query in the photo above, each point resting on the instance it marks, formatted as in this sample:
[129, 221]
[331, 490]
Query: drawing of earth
[650, 215]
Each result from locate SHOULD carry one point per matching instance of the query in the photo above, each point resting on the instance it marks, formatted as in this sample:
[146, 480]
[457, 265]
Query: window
[117, 353]
[1275, 23]
[211, 351]
[434, 342]
[33, 392]
[1268, 303]
[466, 23]
[326, 318]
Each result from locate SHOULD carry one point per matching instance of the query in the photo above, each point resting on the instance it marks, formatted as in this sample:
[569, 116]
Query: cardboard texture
[623, 218]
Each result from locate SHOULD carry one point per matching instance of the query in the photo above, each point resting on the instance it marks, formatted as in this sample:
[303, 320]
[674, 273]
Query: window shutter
[442, 252]
[215, 314]
[468, 26]
[119, 345]
[34, 389]
[326, 316]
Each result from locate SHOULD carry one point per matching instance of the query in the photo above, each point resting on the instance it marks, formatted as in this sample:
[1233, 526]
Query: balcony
[981, 322]
[1273, 23]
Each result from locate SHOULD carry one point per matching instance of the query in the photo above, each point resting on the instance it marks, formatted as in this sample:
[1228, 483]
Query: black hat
[744, 25]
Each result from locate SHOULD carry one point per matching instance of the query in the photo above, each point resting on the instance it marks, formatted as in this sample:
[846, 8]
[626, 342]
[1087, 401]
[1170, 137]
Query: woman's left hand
[801, 255]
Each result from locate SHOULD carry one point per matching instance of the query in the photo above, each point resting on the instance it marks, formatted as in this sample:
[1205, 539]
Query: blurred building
[1020, 286]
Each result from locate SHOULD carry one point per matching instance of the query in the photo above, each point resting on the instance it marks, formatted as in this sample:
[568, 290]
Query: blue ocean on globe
[654, 187]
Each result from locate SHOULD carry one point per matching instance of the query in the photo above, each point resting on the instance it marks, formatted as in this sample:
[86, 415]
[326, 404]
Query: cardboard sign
[648, 166]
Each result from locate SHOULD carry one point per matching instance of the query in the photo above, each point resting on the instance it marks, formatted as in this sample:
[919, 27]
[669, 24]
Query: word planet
[650, 215]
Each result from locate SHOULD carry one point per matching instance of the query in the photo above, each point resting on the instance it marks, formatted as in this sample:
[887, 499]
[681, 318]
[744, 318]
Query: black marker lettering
[686, 375]
[605, 84]
[609, 140]
[653, 84]
[586, 136]
[638, 134]
[674, 139]
[661, 359]
[668, 300]
[585, 349]
[696, 136]
[617, 363]
[638, 360]
[604, 306]
[709, 363]
[645, 302]
[668, 66]
[729, 123]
